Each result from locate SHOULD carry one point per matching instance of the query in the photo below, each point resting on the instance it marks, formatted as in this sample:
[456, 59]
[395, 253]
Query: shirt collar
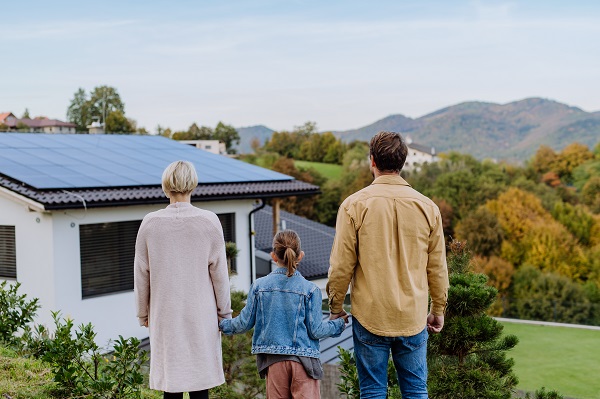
[391, 179]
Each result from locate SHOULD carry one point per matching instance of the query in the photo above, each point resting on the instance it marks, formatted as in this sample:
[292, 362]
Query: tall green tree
[102, 102]
[26, 114]
[228, 135]
[79, 110]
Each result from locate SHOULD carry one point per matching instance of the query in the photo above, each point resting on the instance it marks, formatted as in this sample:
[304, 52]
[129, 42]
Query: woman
[182, 289]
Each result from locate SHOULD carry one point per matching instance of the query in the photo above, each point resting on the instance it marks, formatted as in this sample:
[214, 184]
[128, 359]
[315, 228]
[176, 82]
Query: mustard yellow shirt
[389, 244]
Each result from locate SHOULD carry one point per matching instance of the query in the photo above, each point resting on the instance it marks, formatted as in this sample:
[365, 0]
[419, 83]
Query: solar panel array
[54, 161]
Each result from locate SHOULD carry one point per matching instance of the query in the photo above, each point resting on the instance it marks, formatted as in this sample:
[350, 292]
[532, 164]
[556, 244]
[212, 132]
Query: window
[8, 253]
[228, 222]
[107, 254]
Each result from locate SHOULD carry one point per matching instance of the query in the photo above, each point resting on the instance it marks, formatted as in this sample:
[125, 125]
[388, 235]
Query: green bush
[15, 313]
[81, 368]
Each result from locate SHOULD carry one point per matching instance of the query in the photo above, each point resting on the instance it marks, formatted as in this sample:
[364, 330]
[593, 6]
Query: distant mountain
[247, 134]
[510, 131]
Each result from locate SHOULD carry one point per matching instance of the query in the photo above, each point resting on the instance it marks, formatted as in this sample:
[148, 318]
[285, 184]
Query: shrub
[15, 313]
[81, 368]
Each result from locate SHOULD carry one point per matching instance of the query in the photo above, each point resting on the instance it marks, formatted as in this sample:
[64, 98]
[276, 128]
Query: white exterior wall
[416, 158]
[34, 251]
[49, 265]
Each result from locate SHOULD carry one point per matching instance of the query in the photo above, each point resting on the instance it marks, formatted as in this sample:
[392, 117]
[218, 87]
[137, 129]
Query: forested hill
[512, 131]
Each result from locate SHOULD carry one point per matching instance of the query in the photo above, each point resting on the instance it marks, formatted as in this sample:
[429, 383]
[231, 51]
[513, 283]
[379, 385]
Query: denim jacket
[286, 315]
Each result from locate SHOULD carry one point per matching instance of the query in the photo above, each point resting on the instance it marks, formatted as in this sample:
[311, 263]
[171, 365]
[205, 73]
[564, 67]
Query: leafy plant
[81, 368]
[15, 312]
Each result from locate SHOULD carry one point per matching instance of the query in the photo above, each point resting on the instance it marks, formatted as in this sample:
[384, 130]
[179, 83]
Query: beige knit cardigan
[182, 289]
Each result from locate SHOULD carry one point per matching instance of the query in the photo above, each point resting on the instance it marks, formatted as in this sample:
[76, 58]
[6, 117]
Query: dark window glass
[107, 254]
[8, 253]
[228, 222]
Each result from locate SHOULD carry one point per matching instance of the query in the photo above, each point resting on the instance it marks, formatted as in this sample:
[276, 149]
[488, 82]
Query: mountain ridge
[512, 131]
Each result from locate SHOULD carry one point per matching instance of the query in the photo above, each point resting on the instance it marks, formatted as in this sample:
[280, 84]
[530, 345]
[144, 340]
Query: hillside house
[418, 155]
[71, 205]
[37, 125]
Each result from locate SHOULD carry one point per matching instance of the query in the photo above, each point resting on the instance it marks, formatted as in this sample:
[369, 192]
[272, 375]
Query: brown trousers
[288, 380]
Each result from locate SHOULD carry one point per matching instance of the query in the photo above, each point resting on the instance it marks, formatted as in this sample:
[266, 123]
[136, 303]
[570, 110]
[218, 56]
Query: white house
[71, 205]
[214, 146]
[418, 155]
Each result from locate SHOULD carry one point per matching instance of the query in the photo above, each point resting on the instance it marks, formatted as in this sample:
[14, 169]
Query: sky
[340, 63]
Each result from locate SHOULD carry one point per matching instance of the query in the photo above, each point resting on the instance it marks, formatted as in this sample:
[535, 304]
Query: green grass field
[328, 170]
[560, 358]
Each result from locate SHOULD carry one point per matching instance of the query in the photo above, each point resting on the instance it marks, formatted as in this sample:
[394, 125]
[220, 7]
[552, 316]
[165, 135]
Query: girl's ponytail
[286, 246]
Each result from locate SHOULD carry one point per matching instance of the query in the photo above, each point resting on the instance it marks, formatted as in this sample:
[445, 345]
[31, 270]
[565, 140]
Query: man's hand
[434, 323]
[342, 314]
[146, 324]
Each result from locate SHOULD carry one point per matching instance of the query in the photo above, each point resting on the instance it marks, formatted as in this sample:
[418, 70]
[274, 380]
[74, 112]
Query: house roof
[422, 148]
[76, 171]
[5, 115]
[45, 122]
[317, 240]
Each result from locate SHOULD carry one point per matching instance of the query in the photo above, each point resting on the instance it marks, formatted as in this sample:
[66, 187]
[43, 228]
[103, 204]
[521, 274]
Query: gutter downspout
[251, 233]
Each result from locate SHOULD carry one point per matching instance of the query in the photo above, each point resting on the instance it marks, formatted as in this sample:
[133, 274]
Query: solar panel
[55, 161]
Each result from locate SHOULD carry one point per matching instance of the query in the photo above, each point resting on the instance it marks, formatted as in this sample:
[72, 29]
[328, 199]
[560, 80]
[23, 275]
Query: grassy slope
[24, 378]
[328, 170]
[560, 358]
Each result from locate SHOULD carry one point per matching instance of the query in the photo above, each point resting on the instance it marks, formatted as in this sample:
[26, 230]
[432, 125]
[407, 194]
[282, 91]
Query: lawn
[328, 170]
[560, 358]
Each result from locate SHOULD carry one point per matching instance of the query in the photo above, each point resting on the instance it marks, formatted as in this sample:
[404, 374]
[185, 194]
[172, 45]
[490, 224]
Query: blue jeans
[372, 353]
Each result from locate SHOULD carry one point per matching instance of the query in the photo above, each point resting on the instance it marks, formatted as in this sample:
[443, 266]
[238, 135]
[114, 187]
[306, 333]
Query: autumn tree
[116, 122]
[298, 205]
[482, 231]
[532, 236]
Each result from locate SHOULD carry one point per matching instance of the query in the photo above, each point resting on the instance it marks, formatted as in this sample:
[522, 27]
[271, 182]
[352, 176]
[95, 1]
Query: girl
[285, 311]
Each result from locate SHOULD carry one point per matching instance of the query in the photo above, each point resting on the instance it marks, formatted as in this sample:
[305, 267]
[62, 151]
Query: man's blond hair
[179, 177]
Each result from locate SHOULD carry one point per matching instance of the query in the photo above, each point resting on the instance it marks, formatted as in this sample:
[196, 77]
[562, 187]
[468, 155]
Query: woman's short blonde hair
[179, 177]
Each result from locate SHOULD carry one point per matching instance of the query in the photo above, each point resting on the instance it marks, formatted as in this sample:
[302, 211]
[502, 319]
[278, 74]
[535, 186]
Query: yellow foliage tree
[533, 237]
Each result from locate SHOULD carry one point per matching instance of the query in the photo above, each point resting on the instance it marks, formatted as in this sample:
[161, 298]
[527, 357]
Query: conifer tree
[468, 360]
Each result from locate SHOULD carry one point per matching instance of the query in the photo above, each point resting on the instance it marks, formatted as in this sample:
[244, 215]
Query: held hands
[342, 314]
[434, 323]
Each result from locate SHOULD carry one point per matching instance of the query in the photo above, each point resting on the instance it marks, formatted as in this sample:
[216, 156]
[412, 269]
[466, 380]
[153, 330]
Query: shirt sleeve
[141, 277]
[437, 269]
[317, 327]
[342, 261]
[245, 320]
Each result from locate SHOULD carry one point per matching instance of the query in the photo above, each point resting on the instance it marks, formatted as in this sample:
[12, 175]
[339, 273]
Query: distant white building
[96, 128]
[418, 155]
[214, 146]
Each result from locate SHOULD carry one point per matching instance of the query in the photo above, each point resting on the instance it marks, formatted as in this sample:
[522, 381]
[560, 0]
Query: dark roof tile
[114, 196]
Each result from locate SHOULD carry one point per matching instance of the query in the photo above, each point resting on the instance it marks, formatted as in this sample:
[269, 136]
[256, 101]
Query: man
[389, 243]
